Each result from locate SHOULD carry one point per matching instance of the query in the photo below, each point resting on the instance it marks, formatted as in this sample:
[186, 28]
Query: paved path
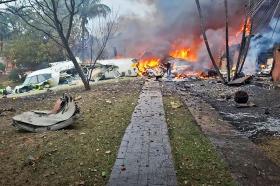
[144, 157]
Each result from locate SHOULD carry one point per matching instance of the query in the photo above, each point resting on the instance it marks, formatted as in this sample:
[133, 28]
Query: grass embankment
[83, 155]
[271, 147]
[196, 161]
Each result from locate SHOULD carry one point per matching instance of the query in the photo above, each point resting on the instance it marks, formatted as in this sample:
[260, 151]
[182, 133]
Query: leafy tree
[30, 50]
[2, 67]
[55, 19]
[16, 75]
[89, 10]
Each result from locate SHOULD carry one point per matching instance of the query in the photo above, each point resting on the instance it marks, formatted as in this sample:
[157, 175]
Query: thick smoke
[177, 23]
[262, 43]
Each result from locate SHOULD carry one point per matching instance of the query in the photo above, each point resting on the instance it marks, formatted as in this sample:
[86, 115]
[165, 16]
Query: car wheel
[23, 90]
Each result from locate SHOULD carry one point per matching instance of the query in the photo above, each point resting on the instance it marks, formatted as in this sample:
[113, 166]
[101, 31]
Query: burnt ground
[256, 122]
[249, 164]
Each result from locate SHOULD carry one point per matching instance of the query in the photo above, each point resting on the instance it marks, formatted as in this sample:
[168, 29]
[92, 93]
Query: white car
[39, 78]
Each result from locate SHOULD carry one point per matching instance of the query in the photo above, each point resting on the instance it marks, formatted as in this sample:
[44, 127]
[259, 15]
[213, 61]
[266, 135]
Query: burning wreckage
[180, 63]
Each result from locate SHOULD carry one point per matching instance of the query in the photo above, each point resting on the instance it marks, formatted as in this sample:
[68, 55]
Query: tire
[23, 90]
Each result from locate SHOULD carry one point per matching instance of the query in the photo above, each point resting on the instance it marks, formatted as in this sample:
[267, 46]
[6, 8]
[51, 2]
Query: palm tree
[90, 9]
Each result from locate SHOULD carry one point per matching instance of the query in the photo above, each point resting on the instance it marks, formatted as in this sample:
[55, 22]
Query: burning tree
[55, 19]
[258, 14]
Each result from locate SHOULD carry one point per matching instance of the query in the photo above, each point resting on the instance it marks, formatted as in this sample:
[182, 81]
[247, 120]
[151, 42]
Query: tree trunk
[1, 43]
[247, 47]
[242, 47]
[75, 62]
[227, 43]
[78, 68]
[206, 42]
[83, 25]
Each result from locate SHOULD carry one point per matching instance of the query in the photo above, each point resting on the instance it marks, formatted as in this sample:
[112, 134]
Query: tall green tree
[29, 50]
[55, 19]
[89, 10]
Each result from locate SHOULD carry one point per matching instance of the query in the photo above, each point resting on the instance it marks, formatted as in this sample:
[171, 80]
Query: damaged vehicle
[38, 80]
[114, 68]
[48, 77]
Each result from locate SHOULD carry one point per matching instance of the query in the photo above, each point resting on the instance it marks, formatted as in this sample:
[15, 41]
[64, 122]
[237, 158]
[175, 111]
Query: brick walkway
[144, 157]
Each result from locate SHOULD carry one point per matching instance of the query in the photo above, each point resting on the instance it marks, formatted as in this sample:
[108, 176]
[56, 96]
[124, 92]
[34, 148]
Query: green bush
[15, 75]
[2, 67]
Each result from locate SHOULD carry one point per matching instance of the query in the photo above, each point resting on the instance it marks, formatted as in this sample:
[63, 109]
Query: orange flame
[144, 64]
[183, 53]
[247, 29]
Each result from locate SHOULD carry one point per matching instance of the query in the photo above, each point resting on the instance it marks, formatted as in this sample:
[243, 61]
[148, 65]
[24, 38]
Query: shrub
[15, 75]
[2, 67]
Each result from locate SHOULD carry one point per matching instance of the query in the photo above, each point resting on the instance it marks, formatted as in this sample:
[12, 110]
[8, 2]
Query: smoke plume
[176, 23]
[262, 42]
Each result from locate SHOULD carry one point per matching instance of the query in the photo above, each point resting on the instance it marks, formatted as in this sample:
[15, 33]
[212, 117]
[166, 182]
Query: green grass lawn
[196, 161]
[83, 155]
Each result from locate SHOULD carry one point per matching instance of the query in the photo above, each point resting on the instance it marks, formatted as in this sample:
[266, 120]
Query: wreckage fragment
[241, 97]
[61, 116]
[241, 81]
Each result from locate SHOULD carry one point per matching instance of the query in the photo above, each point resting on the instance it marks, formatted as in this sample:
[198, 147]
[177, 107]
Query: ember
[199, 75]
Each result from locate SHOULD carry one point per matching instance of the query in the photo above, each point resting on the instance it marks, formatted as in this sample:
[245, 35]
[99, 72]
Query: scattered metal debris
[241, 97]
[63, 115]
[241, 81]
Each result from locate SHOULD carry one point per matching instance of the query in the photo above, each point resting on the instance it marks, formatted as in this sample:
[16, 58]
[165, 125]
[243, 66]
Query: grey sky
[129, 7]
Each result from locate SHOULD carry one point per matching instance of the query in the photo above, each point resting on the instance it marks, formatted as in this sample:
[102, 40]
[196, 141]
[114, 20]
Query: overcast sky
[129, 7]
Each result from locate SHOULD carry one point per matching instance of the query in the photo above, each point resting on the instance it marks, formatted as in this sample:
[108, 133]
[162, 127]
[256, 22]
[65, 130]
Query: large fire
[148, 63]
[183, 53]
[154, 63]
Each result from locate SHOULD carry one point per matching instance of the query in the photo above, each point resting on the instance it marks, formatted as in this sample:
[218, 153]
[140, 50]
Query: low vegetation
[271, 147]
[82, 155]
[196, 161]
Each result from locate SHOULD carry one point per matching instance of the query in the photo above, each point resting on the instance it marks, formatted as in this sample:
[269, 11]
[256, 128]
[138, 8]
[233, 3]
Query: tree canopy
[21, 51]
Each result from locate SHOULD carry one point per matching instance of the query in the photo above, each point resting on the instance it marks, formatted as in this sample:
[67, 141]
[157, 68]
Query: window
[26, 81]
[47, 76]
[33, 80]
[41, 78]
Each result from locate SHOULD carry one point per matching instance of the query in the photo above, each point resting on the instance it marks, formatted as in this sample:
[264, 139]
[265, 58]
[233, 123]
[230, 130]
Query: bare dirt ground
[81, 155]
